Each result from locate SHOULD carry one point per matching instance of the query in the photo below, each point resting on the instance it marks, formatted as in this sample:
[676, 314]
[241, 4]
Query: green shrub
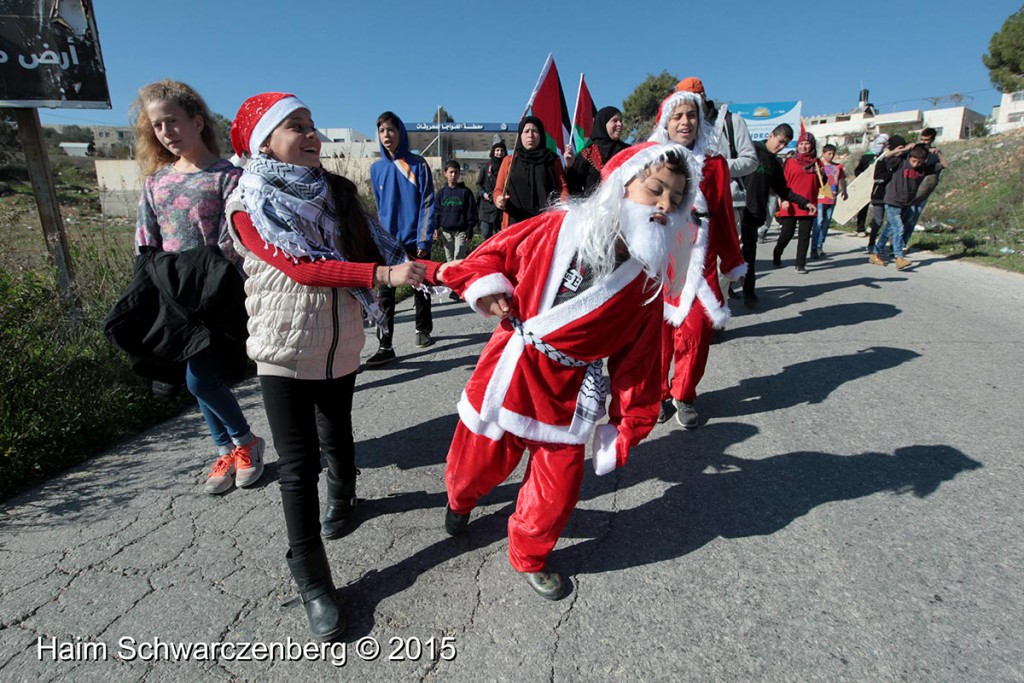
[65, 391]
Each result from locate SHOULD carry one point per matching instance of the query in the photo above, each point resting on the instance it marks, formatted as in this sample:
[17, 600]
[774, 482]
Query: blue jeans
[221, 411]
[909, 223]
[895, 218]
[821, 223]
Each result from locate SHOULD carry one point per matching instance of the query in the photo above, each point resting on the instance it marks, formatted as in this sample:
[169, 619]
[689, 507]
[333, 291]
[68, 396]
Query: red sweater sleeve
[305, 271]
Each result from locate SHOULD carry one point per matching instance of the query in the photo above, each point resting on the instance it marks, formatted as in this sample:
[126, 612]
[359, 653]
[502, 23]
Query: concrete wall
[120, 185]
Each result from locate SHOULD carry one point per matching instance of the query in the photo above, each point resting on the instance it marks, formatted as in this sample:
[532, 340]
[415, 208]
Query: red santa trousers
[685, 350]
[550, 490]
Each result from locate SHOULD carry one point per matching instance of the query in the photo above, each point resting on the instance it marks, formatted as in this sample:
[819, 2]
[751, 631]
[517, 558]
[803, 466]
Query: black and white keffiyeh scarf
[292, 209]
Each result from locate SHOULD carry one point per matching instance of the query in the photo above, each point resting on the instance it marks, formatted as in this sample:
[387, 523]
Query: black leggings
[748, 240]
[789, 225]
[305, 416]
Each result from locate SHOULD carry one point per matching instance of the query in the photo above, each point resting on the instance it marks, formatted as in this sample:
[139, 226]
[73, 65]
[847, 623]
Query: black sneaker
[382, 357]
[454, 297]
[801, 270]
[686, 414]
[666, 410]
[814, 255]
[548, 585]
[423, 339]
[454, 523]
[733, 294]
[750, 300]
[776, 261]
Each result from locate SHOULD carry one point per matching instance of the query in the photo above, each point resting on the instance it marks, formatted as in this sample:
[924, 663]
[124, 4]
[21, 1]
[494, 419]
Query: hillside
[977, 211]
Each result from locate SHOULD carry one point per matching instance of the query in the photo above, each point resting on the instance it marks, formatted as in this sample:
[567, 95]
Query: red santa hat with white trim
[630, 162]
[258, 117]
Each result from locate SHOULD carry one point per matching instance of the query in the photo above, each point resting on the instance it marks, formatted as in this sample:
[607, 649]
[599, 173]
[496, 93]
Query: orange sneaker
[249, 462]
[222, 476]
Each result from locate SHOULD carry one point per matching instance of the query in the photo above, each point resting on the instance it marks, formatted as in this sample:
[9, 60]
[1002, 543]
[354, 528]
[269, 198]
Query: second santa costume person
[692, 316]
[572, 288]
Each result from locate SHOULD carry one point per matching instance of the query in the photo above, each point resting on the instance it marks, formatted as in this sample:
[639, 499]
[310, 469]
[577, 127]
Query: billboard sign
[50, 55]
[762, 117]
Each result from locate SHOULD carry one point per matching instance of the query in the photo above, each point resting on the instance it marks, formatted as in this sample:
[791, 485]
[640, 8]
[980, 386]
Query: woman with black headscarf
[490, 216]
[605, 142]
[531, 177]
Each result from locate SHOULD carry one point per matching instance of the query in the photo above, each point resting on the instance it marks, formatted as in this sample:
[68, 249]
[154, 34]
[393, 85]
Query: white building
[1009, 113]
[346, 143]
[857, 128]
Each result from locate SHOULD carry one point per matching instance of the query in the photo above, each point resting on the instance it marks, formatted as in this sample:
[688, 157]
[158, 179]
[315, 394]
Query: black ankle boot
[312, 575]
[340, 516]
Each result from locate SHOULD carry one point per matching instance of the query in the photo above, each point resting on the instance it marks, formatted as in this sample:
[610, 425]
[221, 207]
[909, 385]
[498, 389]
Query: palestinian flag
[548, 104]
[582, 117]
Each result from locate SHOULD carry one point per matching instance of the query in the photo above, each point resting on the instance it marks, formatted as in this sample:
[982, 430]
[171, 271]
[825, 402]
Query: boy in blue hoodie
[403, 188]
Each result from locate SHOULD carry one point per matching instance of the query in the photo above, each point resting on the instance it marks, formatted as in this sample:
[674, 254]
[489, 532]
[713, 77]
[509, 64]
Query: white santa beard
[646, 239]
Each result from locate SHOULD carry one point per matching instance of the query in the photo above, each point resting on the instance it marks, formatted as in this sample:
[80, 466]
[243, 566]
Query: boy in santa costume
[687, 334]
[572, 287]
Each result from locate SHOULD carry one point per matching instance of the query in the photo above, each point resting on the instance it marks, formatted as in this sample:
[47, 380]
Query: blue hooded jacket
[403, 189]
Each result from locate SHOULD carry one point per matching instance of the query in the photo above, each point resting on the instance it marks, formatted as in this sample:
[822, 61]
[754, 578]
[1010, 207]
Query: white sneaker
[249, 462]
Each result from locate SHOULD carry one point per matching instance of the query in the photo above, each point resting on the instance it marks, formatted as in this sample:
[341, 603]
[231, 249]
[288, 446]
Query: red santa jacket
[716, 248]
[517, 388]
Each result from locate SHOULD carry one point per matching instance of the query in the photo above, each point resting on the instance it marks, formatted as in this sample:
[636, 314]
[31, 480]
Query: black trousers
[877, 218]
[748, 245]
[789, 225]
[306, 416]
[862, 218]
[386, 299]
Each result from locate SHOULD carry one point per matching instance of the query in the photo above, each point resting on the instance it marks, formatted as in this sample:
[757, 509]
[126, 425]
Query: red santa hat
[630, 162]
[258, 117]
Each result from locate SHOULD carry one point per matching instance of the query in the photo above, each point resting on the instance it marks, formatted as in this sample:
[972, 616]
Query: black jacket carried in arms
[177, 305]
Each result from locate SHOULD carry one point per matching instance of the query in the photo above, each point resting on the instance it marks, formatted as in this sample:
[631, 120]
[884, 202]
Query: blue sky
[349, 61]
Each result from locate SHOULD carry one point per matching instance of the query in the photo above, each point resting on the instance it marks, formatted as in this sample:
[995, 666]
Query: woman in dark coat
[584, 174]
[490, 216]
[531, 178]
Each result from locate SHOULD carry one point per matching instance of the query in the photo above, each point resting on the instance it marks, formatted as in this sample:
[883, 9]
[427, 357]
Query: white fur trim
[277, 113]
[488, 285]
[676, 314]
[605, 459]
[548, 319]
[717, 313]
[520, 425]
[736, 273]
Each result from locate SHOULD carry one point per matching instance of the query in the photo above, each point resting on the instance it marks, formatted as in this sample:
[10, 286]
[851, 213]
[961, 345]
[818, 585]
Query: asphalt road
[849, 509]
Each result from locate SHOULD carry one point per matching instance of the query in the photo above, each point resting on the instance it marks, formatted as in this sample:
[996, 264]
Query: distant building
[1009, 113]
[346, 143]
[78, 149]
[858, 127]
[109, 137]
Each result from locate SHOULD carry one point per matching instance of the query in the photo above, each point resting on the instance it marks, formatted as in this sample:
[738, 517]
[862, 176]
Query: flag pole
[575, 110]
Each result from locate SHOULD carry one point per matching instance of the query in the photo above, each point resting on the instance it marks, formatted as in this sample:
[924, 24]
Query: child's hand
[495, 304]
[569, 155]
[445, 266]
[408, 273]
[784, 206]
[845, 196]
[499, 201]
[812, 210]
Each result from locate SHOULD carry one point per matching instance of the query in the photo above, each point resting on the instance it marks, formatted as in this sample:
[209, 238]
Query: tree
[223, 132]
[640, 108]
[442, 116]
[1005, 58]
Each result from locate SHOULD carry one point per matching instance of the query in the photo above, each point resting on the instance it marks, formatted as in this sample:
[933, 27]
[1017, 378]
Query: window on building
[1017, 96]
[1016, 118]
[842, 118]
